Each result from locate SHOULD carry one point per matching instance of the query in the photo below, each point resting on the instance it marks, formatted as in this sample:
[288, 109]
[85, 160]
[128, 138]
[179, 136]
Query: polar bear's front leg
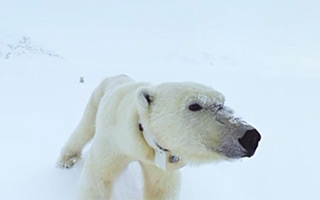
[84, 132]
[99, 175]
[159, 184]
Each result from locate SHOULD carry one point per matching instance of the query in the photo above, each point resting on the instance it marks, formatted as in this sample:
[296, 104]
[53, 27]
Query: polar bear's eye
[195, 107]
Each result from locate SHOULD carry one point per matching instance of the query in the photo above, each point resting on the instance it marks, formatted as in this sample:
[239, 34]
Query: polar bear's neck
[164, 158]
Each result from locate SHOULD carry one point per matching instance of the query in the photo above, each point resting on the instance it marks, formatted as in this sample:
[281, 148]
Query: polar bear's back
[110, 83]
[115, 96]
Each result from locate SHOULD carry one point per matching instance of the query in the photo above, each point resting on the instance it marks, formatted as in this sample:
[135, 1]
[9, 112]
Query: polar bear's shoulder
[111, 82]
[118, 87]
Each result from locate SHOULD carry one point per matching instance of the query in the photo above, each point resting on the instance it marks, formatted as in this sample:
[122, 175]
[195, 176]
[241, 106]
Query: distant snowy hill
[23, 46]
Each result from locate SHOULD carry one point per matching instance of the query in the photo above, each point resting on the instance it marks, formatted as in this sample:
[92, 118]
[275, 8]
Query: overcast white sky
[270, 32]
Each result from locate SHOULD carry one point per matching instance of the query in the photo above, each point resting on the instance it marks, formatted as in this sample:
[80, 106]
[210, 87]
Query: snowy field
[264, 56]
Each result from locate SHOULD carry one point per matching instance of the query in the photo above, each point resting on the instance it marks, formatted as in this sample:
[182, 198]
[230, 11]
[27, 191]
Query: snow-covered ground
[263, 55]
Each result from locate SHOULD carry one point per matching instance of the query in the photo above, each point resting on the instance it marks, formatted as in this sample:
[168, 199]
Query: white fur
[111, 119]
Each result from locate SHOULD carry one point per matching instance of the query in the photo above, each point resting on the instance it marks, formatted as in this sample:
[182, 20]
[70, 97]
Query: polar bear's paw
[68, 160]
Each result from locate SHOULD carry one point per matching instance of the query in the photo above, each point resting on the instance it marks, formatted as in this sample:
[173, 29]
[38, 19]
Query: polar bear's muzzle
[238, 143]
[239, 139]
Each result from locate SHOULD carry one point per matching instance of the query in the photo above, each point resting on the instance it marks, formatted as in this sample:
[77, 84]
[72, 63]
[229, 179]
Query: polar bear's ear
[145, 96]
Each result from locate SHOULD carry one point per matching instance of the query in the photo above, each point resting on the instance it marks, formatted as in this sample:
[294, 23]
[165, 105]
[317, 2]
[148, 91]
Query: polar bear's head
[192, 121]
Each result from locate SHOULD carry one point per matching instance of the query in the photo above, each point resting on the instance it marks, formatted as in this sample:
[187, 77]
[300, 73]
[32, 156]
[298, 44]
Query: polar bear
[163, 127]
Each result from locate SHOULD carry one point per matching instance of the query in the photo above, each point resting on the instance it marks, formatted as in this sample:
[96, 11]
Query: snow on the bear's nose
[226, 115]
[207, 100]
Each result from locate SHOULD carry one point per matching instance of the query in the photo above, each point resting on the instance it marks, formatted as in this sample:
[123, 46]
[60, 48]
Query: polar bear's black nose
[250, 141]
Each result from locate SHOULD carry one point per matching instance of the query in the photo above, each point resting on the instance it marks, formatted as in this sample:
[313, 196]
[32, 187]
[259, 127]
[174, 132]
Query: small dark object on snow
[81, 80]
